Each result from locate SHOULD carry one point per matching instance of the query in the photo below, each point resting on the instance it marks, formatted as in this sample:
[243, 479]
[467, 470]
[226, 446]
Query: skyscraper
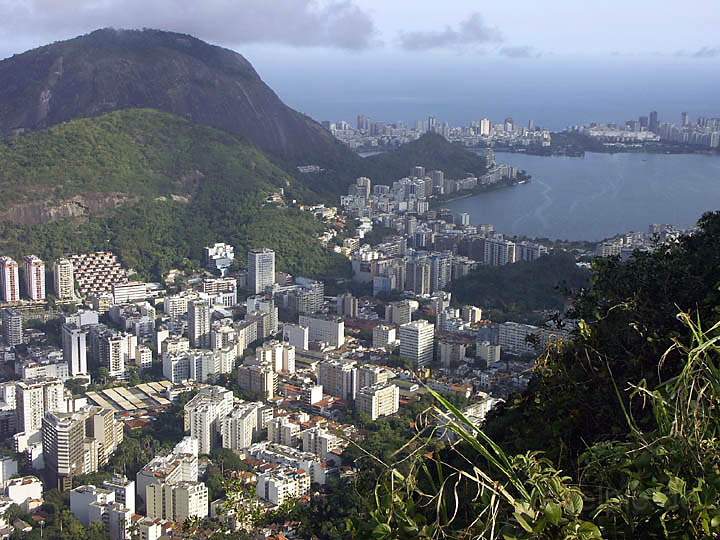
[9, 280]
[261, 269]
[34, 277]
[199, 324]
[64, 279]
[485, 127]
[416, 342]
[653, 124]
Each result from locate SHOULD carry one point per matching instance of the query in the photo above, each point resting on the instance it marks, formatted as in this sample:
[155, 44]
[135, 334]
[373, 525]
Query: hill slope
[154, 187]
[108, 70]
[431, 151]
[119, 157]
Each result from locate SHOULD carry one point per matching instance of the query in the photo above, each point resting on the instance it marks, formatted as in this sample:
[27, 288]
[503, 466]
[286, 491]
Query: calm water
[600, 195]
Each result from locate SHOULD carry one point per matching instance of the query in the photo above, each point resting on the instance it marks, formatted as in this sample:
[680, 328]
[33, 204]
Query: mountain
[109, 69]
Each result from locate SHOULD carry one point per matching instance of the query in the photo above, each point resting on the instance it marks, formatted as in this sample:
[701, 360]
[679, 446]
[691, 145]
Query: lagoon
[599, 195]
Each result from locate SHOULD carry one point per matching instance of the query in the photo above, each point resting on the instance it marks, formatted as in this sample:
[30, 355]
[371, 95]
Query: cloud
[707, 52]
[471, 31]
[301, 23]
[524, 51]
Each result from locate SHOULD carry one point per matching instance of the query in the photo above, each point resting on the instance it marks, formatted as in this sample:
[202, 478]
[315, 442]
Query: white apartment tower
[381, 399]
[199, 324]
[261, 269]
[9, 280]
[64, 279]
[36, 397]
[34, 277]
[74, 344]
[416, 342]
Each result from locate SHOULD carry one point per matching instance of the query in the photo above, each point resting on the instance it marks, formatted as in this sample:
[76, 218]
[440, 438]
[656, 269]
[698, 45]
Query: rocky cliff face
[77, 207]
[117, 69]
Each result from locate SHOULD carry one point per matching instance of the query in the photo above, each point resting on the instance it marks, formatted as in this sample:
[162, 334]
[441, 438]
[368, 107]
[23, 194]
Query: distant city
[367, 134]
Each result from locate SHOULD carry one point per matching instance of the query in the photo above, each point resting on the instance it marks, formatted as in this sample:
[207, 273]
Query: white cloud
[301, 23]
[471, 31]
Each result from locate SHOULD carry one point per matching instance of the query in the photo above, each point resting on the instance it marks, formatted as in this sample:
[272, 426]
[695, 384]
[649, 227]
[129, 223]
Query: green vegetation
[139, 152]
[225, 179]
[627, 411]
[431, 151]
[516, 291]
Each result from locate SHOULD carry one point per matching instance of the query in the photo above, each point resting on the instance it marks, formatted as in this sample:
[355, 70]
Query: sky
[558, 61]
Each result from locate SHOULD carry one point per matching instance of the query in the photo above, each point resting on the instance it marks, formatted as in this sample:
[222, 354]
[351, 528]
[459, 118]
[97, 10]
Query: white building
[176, 501]
[330, 330]
[199, 324]
[25, 491]
[296, 335]
[416, 342]
[283, 484]
[74, 343]
[279, 355]
[203, 415]
[261, 269]
[488, 352]
[382, 399]
[384, 336]
[64, 279]
[36, 397]
[241, 425]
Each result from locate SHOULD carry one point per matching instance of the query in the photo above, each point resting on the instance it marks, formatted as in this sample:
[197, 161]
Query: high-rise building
[363, 187]
[485, 127]
[259, 380]
[419, 273]
[499, 252]
[338, 378]
[12, 333]
[399, 312]
[261, 269]
[9, 280]
[64, 279]
[381, 399]
[416, 342]
[241, 425]
[653, 124]
[74, 344]
[63, 437]
[36, 397]
[684, 119]
[34, 277]
[199, 324]
[487, 351]
[204, 413]
[347, 305]
[440, 271]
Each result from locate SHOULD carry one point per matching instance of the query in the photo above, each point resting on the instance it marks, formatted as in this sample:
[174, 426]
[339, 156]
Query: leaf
[524, 524]
[576, 503]
[553, 512]
[660, 498]
[677, 485]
